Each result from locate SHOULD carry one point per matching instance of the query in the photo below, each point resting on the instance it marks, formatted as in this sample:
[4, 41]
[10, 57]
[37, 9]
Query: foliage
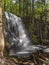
[30, 10]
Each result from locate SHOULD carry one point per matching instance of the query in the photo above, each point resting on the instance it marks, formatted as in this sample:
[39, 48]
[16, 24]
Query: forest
[35, 17]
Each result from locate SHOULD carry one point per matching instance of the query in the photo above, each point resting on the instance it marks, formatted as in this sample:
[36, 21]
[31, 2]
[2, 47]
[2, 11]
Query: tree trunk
[1, 32]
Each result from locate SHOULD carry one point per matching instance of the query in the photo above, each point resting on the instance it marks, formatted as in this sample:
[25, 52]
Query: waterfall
[19, 41]
[18, 38]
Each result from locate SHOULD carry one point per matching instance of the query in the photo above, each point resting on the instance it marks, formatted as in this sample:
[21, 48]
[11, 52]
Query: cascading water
[18, 37]
[23, 38]
[15, 23]
[18, 40]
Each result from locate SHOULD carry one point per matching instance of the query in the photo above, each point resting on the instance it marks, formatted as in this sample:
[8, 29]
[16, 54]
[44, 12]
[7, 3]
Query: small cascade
[19, 41]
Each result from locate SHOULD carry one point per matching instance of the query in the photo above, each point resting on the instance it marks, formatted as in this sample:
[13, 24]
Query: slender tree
[1, 31]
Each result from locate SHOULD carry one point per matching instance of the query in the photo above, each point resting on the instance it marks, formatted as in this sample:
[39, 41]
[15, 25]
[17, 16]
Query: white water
[23, 38]
[21, 42]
